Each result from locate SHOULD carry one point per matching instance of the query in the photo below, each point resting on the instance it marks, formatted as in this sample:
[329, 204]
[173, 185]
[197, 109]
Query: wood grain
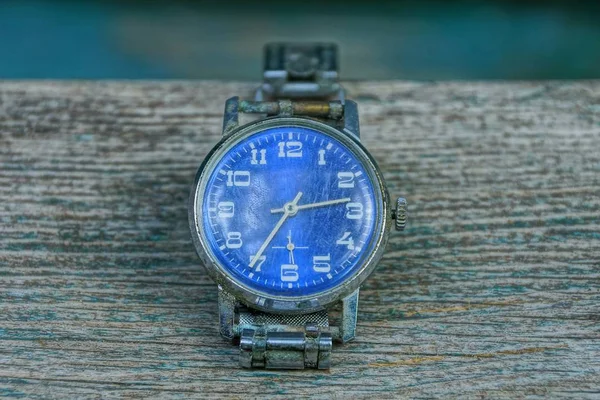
[492, 292]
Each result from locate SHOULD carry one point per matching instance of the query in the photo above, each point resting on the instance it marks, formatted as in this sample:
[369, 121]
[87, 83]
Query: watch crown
[400, 213]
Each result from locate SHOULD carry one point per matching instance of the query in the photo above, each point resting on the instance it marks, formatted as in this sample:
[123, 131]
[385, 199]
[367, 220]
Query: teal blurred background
[223, 40]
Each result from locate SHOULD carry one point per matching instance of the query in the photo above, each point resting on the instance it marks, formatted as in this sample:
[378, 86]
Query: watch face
[289, 211]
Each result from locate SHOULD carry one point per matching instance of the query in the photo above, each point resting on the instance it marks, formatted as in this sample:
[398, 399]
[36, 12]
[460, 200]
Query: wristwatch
[289, 213]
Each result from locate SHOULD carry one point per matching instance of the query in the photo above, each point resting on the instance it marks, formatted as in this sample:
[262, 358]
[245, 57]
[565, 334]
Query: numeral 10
[238, 178]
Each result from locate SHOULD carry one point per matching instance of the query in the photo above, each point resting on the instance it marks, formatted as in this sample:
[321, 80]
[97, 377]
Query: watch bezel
[280, 304]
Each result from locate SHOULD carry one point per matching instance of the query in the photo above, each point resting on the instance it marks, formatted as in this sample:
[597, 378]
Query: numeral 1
[321, 157]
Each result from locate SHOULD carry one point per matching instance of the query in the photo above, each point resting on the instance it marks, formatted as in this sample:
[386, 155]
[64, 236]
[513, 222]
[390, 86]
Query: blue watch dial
[289, 211]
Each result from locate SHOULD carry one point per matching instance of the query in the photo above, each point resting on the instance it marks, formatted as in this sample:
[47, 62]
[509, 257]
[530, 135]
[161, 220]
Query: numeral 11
[262, 159]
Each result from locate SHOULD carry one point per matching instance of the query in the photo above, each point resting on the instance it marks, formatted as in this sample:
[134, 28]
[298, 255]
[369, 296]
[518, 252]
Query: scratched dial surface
[289, 211]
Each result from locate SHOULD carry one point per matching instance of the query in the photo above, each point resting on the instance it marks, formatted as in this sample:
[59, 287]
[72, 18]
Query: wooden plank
[493, 290]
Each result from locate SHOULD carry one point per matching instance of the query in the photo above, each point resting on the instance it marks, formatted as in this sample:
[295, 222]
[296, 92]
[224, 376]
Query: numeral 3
[354, 210]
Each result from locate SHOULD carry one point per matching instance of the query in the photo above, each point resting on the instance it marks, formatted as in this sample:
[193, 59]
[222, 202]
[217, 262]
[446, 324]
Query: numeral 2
[345, 179]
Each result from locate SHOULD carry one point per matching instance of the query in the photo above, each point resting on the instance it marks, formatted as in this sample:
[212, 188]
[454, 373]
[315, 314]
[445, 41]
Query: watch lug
[351, 124]
[226, 314]
[231, 117]
[349, 313]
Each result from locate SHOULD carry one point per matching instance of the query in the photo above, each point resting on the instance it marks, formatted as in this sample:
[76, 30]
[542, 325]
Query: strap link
[321, 109]
[300, 70]
[285, 350]
[284, 341]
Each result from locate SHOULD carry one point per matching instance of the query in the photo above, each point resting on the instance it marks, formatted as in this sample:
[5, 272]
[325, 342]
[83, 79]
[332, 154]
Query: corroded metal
[319, 109]
[347, 328]
[351, 122]
[231, 115]
[300, 70]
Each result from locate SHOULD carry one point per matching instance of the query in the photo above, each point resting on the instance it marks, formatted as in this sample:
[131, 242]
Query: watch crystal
[289, 211]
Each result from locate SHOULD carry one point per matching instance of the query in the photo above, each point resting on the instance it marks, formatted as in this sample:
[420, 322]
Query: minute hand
[285, 216]
[313, 205]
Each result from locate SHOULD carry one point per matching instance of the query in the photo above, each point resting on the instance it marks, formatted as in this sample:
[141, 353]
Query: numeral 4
[321, 263]
[354, 210]
[234, 240]
[345, 179]
[238, 178]
[290, 149]
[347, 240]
[289, 273]
[258, 262]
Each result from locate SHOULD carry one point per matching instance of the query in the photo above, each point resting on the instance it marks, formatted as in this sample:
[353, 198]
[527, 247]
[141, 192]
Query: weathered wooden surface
[493, 290]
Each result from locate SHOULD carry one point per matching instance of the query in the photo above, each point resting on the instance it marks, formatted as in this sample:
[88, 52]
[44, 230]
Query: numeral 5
[321, 263]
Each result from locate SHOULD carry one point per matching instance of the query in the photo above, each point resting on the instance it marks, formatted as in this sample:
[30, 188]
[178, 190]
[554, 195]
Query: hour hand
[313, 205]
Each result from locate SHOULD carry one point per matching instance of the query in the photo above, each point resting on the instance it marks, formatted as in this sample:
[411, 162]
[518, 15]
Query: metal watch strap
[284, 341]
[296, 70]
[298, 80]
